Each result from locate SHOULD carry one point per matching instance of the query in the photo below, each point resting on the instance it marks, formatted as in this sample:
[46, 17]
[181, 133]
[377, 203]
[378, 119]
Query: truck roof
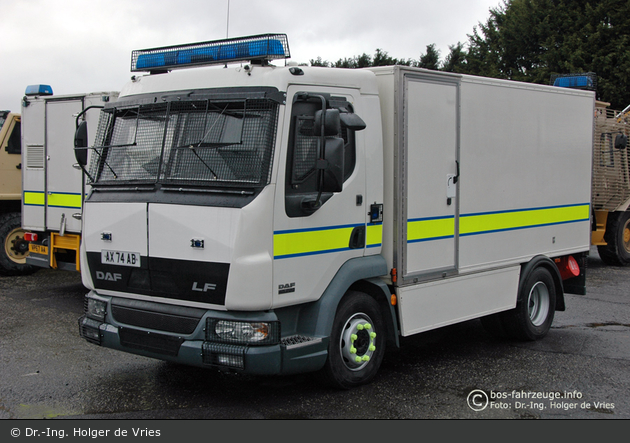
[250, 75]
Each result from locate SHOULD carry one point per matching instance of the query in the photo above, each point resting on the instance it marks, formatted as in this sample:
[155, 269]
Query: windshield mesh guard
[200, 143]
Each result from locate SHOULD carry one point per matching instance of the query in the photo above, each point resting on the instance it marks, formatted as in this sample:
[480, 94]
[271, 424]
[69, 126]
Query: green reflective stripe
[430, 229]
[34, 198]
[65, 200]
[436, 228]
[527, 218]
[304, 242]
[309, 242]
[374, 236]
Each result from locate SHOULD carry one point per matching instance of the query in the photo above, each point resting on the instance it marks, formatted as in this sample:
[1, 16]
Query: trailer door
[430, 174]
[63, 181]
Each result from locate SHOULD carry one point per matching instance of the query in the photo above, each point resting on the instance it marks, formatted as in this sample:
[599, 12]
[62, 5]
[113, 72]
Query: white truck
[284, 219]
[53, 185]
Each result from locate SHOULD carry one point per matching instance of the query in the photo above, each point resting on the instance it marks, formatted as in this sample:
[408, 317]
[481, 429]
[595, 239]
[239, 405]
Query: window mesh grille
[189, 143]
[305, 152]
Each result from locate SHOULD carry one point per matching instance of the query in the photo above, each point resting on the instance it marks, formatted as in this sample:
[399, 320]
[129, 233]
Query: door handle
[357, 238]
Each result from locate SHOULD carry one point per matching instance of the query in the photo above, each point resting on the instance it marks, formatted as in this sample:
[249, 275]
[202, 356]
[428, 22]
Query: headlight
[96, 309]
[252, 333]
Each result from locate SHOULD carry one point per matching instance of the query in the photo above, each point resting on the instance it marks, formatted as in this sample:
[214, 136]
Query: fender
[541, 260]
[363, 272]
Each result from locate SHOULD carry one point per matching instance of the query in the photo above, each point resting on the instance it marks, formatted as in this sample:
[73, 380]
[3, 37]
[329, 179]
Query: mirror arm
[321, 158]
[82, 113]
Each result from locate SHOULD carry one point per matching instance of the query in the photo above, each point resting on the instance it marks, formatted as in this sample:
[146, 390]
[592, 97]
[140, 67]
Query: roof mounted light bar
[260, 48]
[584, 80]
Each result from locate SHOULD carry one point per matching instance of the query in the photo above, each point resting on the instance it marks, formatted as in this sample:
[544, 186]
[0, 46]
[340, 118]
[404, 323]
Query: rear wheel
[535, 307]
[357, 342]
[617, 250]
[14, 248]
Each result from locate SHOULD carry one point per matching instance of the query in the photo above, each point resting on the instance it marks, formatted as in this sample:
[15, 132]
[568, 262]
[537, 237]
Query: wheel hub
[357, 342]
[538, 303]
[16, 247]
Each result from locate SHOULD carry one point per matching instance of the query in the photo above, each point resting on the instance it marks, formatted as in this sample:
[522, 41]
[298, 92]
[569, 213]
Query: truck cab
[216, 193]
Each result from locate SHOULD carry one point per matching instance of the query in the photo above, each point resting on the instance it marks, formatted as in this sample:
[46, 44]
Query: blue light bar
[580, 81]
[254, 48]
[38, 90]
[586, 80]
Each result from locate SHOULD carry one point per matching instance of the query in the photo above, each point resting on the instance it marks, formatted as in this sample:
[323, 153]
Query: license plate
[120, 258]
[38, 249]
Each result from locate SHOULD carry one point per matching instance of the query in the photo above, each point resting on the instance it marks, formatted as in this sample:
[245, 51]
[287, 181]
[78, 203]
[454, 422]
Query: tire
[14, 249]
[357, 342]
[535, 307]
[617, 251]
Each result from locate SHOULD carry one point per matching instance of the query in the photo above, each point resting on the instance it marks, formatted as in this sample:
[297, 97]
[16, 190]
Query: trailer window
[210, 142]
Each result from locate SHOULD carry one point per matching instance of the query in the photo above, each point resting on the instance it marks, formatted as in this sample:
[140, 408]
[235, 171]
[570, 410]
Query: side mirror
[333, 165]
[331, 126]
[621, 141]
[81, 144]
[352, 121]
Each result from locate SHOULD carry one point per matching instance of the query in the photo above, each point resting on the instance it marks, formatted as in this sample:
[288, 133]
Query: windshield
[220, 140]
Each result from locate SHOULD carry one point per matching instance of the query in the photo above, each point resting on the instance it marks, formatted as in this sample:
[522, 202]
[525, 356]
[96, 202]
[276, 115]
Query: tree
[319, 62]
[455, 61]
[431, 59]
[529, 40]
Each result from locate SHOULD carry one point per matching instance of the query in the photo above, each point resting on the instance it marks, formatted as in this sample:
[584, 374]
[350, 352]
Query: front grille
[152, 342]
[155, 320]
[167, 318]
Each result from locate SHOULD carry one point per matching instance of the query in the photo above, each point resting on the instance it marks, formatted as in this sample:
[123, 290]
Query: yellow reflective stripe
[308, 242]
[374, 236]
[526, 218]
[34, 198]
[322, 240]
[472, 224]
[430, 229]
[64, 200]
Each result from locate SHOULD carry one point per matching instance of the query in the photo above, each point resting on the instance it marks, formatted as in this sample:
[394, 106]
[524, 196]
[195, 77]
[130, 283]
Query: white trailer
[276, 220]
[53, 185]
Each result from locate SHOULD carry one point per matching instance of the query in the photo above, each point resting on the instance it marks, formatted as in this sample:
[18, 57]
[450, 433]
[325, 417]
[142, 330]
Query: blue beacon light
[260, 48]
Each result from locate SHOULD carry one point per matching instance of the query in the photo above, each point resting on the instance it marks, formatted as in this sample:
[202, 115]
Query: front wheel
[535, 307]
[357, 342]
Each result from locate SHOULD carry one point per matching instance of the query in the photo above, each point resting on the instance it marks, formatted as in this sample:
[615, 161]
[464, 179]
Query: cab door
[316, 232]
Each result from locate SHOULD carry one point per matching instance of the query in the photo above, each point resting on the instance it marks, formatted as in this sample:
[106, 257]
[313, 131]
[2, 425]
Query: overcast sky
[81, 46]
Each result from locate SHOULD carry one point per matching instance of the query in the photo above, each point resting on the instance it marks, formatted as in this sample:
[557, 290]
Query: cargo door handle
[357, 238]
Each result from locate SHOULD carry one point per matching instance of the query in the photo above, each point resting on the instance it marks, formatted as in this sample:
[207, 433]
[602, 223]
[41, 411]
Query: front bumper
[182, 336]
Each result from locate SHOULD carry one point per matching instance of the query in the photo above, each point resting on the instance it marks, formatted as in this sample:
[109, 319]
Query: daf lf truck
[286, 219]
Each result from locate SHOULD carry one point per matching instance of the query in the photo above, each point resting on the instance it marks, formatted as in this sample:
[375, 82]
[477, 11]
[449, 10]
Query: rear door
[64, 182]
